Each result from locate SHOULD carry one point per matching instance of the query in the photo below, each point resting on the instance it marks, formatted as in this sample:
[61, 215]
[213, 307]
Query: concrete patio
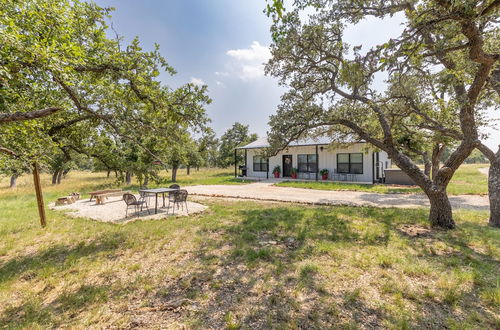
[114, 210]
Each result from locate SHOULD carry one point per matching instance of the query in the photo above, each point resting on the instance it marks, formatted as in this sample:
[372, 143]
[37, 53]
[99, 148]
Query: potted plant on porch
[277, 171]
[294, 173]
[324, 174]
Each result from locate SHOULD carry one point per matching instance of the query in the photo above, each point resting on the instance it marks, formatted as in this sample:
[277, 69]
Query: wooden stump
[65, 200]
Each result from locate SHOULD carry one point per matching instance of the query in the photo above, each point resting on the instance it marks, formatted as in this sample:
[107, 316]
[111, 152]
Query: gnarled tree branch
[21, 116]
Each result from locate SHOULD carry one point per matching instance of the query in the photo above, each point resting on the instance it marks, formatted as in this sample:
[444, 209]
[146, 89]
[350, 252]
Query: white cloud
[250, 61]
[221, 74]
[219, 83]
[197, 81]
[256, 53]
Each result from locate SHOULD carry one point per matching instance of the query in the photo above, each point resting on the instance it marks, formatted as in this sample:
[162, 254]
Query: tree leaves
[57, 53]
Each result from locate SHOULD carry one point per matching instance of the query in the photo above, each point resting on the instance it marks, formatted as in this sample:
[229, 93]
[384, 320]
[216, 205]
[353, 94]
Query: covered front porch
[311, 161]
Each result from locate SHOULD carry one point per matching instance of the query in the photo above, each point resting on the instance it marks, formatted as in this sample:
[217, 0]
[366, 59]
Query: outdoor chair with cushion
[130, 200]
[179, 197]
[175, 186]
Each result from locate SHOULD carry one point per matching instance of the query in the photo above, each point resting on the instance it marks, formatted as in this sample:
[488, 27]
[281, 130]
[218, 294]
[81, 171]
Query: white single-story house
[355, 162]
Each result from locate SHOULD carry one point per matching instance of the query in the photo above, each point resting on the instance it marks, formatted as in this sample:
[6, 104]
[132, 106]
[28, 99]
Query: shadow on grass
[466, 273]
[266, 265]
[259, 267]
[58, 257]
[275, 244]
[33, 312]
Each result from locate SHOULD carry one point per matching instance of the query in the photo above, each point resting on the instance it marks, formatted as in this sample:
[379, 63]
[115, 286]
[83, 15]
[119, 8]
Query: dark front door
[287, 165]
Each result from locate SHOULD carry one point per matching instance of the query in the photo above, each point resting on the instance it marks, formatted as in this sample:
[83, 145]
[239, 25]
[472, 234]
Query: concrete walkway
[484, 170]
[266, 191]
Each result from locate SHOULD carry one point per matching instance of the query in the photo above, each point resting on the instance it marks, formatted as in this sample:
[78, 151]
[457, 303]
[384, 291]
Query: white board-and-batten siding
[327, 159]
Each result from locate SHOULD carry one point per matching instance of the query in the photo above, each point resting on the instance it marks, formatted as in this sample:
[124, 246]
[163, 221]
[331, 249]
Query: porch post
[317, 163]
[373, 167]
[267, 172]
[246, 166]
[235, 171]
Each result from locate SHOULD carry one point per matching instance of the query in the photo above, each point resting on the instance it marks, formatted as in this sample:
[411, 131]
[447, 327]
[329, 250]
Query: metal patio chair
[143, 196]
[179, 197]
[339, 176]
[130, 200]
[171, 198]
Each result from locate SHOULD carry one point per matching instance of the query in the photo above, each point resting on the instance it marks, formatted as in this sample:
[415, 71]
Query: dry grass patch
[248, 265]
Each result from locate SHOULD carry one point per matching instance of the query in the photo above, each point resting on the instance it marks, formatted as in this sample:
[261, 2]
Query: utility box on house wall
[397, 176]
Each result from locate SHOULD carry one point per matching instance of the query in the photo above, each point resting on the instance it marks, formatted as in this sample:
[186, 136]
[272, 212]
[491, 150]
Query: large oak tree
[332, 84]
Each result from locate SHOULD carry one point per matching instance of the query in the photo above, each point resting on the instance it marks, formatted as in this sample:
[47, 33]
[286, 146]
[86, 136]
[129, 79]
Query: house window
[350, 163]
[259, 164]
[307, 163]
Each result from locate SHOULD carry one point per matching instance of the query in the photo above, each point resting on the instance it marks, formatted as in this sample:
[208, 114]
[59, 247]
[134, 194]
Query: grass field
[244, 265]
[87, 181]
[466, 181]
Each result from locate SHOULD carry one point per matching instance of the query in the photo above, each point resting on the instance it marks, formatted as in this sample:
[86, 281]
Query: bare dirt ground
[114, 210]
[266, 191]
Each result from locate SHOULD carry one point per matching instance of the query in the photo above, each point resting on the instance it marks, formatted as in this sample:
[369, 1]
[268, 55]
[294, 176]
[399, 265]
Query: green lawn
[205, 176]
[244, 265]
[83, 182]
[466, 181]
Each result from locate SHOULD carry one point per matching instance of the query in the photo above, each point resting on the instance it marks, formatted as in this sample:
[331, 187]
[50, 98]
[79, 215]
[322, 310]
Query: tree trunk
[435, 169]
[437, 154]
[174, 174]
[427, 164]
[128, 178]
[59, 176]
[440, 214]
[13, 180]
[188, 169]
[107, 175]
[54, 176]
[494, 192]
[116, 174]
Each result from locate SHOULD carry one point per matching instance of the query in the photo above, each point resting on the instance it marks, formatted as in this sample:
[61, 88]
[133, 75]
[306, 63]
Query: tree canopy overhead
[442, 73]
[59, 66]
[67, 89]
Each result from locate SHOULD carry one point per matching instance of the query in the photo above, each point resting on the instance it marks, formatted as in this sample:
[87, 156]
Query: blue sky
[223, 43]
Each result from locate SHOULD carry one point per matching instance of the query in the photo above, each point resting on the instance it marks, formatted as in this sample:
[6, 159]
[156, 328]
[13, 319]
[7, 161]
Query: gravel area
[266, 191]
[114, 210]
